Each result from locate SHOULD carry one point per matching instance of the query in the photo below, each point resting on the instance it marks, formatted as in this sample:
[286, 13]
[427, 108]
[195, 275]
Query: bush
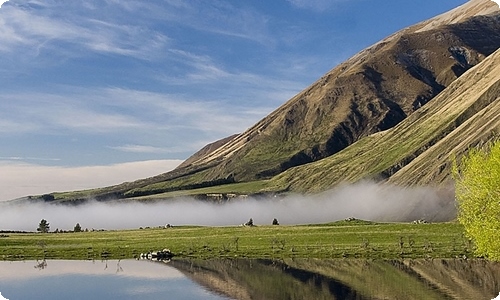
[477, 178]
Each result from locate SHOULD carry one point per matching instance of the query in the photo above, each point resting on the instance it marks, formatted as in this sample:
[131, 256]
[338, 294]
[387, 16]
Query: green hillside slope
[419, 149]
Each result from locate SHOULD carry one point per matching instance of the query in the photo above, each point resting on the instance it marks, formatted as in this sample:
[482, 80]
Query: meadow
[343, 239]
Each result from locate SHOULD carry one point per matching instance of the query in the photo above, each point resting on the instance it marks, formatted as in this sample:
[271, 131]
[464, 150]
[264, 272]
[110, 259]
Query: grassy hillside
[463, 115]
[395, 111]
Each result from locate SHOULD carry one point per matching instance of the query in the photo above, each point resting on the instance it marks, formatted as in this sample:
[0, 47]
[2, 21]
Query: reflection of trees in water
[118, 267]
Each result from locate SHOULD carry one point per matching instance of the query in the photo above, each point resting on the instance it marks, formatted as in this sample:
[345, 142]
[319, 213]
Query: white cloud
[20, 158]
[109, 109]
[1, 297]
[178, 111]
[140, 149]
[1, 3]
[83, 110]
[21, 179]
[91, 120]
[315, 5]
[38, 31]
[14, 126]
[220, 17]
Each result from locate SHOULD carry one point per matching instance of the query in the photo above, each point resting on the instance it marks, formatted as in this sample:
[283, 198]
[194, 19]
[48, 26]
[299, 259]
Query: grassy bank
[335, 240]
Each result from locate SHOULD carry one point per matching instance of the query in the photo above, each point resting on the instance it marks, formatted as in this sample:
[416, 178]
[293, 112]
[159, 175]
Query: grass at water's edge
[335, 240]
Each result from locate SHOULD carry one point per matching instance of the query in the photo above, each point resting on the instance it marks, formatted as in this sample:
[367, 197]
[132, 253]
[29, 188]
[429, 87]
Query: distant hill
[395, 112]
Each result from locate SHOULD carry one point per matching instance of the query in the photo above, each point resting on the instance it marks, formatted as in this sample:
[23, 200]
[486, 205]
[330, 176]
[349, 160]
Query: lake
[126, 279]
[251, 279]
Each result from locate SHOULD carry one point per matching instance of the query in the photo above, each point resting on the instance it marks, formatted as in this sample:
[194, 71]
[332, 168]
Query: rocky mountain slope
[420, 149]
[371, 92]
[395, 111]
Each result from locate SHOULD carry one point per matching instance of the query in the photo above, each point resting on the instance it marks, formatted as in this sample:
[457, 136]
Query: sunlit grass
[242, 188]
[336, 240]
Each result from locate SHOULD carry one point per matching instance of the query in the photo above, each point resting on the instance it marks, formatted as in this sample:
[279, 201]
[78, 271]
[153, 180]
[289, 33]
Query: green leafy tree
[44, 226]
[77, 228]
[477, 177]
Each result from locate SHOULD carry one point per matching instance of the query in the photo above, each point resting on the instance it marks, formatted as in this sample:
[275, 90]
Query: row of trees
[44, 227]
[250, 222]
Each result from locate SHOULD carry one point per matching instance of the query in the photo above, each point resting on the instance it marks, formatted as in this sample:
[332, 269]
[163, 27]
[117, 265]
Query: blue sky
[91, 88]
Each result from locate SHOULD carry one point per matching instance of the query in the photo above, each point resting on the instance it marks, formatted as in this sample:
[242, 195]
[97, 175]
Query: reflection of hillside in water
[346, 279]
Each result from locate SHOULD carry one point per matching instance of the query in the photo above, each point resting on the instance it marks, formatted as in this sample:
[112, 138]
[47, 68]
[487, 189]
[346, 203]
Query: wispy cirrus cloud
[140, 149]
[50, 111]
[20, 158]
[42, 30]
[314, 5]
[124, 112]
[225, 18]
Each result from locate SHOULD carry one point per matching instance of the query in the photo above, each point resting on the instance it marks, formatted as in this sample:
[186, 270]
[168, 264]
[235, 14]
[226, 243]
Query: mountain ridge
[389, 84]
[390, 112]
[438, 125]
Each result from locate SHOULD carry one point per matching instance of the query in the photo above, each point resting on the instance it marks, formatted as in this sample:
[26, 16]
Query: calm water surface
[126, 279]
[299, 279]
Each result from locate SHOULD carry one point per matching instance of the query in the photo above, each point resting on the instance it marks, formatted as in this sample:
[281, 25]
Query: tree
[275, 221]
[477, 177]
[77, 228]
[44, 226]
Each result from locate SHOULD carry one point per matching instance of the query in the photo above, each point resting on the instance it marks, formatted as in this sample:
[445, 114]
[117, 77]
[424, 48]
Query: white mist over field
[365, 200]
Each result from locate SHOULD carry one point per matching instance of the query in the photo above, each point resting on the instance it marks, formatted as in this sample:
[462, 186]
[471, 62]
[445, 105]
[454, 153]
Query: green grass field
[335, 240]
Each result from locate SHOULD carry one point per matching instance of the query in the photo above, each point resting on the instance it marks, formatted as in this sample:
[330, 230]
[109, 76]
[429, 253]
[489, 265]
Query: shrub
[477, 178]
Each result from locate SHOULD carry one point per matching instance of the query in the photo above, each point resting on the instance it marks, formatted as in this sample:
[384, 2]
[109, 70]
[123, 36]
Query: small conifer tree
[44, 226]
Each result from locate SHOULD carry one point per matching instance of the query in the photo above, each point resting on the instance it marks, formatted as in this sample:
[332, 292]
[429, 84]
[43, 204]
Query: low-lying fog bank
[368, 201]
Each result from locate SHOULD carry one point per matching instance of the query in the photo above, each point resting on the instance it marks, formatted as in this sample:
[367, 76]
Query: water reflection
[346, 279]
[251, 279]
[125, 279]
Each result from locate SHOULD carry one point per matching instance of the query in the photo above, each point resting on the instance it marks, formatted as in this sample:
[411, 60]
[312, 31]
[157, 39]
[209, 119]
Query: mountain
[371, 92]
[395, 111]
[419, 150]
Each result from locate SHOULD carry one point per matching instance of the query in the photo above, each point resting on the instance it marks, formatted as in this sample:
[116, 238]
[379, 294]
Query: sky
[97, 92]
